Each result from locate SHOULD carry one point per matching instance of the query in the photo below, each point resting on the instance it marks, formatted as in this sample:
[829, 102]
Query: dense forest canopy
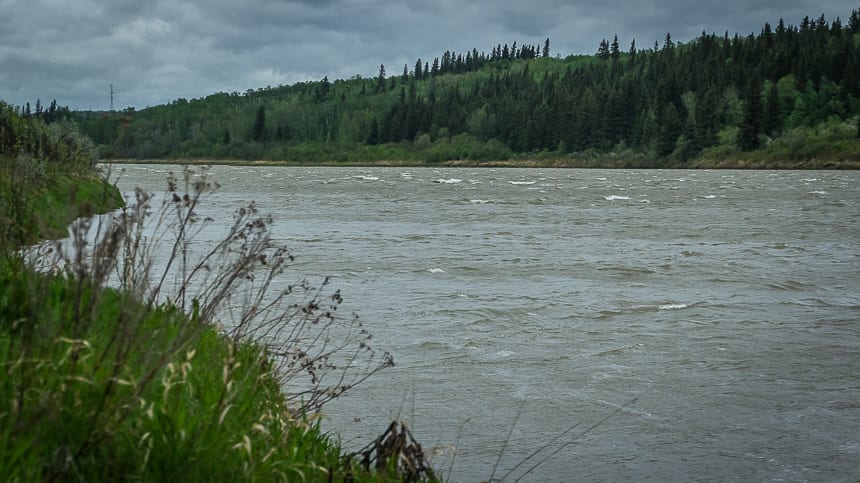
[788, 92]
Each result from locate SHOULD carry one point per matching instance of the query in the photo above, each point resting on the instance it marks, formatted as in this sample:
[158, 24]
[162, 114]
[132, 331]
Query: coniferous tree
[631, 59]
[668, 129]
[650, 101]
[603, 50]
[751, 123]
[854, 22]
[380, 79]
[613, 49]
[772, 121]
[322, 90]
[259, 128]
[668, 43]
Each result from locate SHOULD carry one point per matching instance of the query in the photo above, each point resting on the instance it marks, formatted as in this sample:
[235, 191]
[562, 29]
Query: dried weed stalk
[152, 249]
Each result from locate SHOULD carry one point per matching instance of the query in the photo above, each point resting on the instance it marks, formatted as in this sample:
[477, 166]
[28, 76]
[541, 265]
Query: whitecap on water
[615, 197]
[448, 181]
[367, 178]
[522, 182]
[436, 270]
[480, 202]
[672, 307]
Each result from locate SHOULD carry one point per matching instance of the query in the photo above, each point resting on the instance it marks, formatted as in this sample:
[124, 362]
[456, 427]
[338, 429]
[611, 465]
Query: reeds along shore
[118, 370]
[128, 355]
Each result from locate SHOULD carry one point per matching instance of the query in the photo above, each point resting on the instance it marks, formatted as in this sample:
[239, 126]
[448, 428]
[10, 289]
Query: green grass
[120, 384]
[96, 388]
[105, 384]
[40, 207]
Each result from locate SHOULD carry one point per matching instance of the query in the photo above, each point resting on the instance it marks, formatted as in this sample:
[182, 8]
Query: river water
[697, 325]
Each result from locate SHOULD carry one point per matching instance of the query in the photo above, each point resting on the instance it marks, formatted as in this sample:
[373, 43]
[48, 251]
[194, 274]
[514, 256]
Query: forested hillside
[788, 93]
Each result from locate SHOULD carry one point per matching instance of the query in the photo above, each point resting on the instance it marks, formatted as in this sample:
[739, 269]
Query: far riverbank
[615, 163]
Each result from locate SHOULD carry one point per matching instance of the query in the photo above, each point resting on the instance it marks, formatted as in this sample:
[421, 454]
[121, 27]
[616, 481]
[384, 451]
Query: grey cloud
[161, 50]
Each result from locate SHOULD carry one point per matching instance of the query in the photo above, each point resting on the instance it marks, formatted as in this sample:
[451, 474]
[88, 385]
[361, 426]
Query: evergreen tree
[546, 47]
[613, 49]
[259, 128]
[603, 50]
[751, 124]
[854, 22]
[669, 129]
[772, 112]
[631, 59]
[668, 44]
[380, 79]
[322, 90]
[373, 135]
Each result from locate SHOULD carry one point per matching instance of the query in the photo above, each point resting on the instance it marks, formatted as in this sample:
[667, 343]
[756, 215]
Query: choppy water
[724, 302]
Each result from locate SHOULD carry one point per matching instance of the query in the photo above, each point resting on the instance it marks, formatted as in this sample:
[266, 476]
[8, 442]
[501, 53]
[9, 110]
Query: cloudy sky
[159, 50]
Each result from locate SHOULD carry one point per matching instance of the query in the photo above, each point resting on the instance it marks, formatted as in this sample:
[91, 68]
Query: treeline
[46, 136]
[48, 177]
[789, 92]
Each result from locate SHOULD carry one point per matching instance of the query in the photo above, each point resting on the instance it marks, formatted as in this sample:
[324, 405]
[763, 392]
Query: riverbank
[116, 371]
[103, 384]
[813, 164]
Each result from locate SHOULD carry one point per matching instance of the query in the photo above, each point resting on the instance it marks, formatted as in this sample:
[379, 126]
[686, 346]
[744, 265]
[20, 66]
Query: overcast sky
[157, 51]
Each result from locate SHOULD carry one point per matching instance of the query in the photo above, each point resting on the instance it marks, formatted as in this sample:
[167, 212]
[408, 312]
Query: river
[697, 325]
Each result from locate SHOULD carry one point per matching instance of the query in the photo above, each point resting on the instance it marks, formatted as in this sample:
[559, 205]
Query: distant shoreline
[813, 164]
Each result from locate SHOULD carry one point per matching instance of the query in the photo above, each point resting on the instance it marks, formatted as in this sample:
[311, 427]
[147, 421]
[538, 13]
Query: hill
[789, 96]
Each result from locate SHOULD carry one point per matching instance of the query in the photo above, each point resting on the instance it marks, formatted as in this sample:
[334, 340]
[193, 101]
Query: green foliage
[97, 387]
[106, 384]
[47, 178]
[114, 384]
[668, 102]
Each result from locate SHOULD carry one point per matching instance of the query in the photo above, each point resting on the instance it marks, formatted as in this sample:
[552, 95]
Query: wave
[791, 285]
[615, 197]
[672, 307]
[522, 182]
[448, 181]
